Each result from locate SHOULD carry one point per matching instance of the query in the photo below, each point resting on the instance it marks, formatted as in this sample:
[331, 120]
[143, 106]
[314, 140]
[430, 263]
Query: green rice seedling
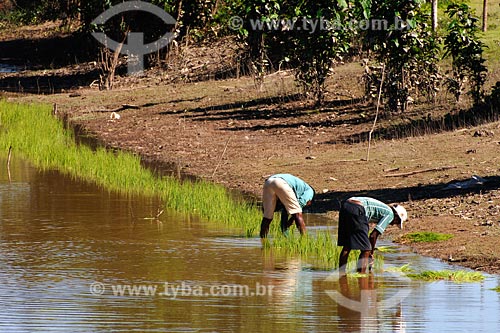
[425, 236]
[497, 289]
[386, 249]
[455, 276]
[403, 269]
[318, 249]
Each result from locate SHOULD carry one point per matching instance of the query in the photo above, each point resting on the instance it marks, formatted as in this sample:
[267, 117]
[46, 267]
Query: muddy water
[75, 258]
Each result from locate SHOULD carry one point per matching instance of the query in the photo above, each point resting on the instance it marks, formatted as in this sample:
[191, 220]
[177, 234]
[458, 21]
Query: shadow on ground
[326, 202]
[344, 112]
[475, 116]
[48, 59]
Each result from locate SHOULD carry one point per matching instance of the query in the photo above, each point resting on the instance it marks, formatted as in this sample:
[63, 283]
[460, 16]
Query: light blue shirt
[377, 211]
[303, 191]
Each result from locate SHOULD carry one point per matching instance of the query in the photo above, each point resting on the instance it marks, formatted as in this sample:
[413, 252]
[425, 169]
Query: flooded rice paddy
[75, 258]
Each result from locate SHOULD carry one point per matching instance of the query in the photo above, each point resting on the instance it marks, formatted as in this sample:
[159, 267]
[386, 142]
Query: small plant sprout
[424, 236]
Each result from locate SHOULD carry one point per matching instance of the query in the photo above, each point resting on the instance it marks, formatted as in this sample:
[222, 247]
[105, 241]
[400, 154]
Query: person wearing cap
[293, 193]
[354, 217]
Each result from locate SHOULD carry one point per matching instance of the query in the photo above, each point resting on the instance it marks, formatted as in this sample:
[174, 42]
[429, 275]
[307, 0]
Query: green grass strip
[37, 136]
[34, 134]
[455, 276]
[425, 236]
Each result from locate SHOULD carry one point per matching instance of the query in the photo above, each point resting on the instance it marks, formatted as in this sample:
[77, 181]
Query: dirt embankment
[234, 134]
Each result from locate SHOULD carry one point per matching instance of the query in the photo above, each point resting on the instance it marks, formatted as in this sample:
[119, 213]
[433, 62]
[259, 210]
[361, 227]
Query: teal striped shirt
[377, 211]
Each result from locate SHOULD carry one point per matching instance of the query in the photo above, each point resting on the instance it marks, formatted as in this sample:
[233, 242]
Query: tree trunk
[434, 14]
[485, 15]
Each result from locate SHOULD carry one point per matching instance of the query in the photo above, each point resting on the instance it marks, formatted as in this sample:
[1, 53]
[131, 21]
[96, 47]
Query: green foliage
[312, 37]
[316, 48]
[386, 249]
[455, 276]
[425, 236]
[198, 19]
[308, 36]
[258, 34]
[409, 50]
[466, 50]
[32, 12]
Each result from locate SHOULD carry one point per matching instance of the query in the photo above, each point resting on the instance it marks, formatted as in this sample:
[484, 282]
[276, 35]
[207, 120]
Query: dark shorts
[353, 227]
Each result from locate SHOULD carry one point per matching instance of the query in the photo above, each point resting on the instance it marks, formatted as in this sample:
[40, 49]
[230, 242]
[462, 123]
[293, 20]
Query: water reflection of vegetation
[426, 236]
[34, 134]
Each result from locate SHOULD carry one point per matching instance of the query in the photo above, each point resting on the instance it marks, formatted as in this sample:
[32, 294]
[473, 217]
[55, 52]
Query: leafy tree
[307, 35]
[39, 11]
[466, 50]
[407, 47]
[195, 18]
[256, 16]
[321, 41]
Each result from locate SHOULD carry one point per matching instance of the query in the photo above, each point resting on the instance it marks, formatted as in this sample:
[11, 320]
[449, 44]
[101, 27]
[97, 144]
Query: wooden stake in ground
[485, 16]
[221, 156]
[376, 114]
[406, 174]
[8, 162]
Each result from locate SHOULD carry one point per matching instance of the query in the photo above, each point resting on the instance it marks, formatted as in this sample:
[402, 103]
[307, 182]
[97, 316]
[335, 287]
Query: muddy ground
[235, 134]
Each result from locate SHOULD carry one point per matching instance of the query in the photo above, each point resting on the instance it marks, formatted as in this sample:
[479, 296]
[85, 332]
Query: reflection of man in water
[283, 277]
[360, 314]
[360, 309]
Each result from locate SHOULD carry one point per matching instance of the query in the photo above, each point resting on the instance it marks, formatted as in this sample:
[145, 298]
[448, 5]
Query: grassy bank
[37, 136]
[34, 134]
